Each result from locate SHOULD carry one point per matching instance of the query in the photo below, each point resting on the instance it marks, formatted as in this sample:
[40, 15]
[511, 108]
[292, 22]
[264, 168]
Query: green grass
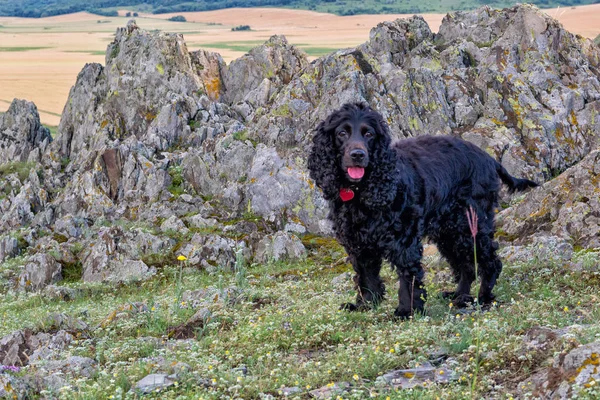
[285, 328]
[244, 46]
[22, 169]
[91, 52]
[53, 130]
[22, 48]
[318, 51]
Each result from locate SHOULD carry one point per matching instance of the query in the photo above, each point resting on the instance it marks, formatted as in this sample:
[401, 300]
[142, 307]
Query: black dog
[384, 198]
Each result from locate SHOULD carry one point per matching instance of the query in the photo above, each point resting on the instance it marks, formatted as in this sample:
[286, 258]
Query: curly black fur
[414, 188]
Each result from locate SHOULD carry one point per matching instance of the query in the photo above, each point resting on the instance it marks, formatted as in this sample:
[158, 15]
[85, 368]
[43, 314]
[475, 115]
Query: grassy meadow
[277, 326]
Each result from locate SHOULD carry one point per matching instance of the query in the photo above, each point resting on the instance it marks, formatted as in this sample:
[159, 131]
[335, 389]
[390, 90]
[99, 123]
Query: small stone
[153, 382]
[329, 391]
[410, 378]
[290, 391]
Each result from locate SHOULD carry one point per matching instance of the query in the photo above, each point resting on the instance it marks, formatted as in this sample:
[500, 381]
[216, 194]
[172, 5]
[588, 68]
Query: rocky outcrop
[209, 159]
[22, 136]
[255, 77]
[569, 374]
[568, 207]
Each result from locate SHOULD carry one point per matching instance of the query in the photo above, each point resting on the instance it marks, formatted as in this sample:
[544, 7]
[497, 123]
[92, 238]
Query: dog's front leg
[369, 286]
[411, 291]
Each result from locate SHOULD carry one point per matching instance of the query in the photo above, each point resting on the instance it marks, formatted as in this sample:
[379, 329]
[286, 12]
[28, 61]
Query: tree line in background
[46, 8]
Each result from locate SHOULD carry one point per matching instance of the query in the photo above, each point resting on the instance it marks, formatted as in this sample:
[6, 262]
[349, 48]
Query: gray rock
[61, 321]
[48, 346]
[329, 391]
[174, 224]
[73, 366]
[22, 136]
[109, 258]
[342, 279]
[198, 221]
[40, 271]
[566, 207]
[208, 296]
[544, 249]
[414, 377]
[210, 67]
[214, 252]
[280, 246]
[70, 226]
[153, 382]
[14, 348]
[64, 293]
[200, 317]
[9, 247]
[256, 75]
[12, 387]
[568, 374]
[21, 347]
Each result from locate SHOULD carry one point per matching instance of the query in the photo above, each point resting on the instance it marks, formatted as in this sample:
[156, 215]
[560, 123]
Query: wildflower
[450, 305]
[566, 309]
[239, 378]
[355, 377]
[9, 368]
[472, 219]
[307, 387]
[392, 350]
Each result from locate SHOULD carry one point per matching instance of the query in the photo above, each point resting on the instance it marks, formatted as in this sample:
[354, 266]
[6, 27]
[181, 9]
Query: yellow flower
[181, 257]
[450, 305]
[392, 350]
[566, 308]
[355, 377]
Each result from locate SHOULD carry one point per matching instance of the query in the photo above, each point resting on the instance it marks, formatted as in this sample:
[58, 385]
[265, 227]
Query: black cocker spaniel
[385, 197]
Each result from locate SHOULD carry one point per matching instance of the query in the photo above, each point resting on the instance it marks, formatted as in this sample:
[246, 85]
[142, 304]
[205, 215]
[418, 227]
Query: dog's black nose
[358, 154]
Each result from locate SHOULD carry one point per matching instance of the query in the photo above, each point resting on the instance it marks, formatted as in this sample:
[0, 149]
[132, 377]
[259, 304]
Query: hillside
[45, 8]
[168, 241]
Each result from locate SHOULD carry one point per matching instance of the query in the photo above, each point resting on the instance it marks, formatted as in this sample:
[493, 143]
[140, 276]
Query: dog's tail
[514, 184]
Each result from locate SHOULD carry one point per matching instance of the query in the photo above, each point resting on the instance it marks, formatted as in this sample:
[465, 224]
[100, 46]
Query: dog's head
[349, 146]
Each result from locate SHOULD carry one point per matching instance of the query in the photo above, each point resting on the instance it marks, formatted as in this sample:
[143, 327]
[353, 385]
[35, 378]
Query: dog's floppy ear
[323, 162]
[382, 185]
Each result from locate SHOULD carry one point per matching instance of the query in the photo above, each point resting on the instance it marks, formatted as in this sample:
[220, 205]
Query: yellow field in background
[40, 58]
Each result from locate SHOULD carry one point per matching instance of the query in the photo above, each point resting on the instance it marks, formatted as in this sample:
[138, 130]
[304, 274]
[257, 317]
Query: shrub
[178, 18]
[241, 28]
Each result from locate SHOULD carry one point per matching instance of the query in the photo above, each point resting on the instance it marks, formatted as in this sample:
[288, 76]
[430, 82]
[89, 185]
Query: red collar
[346, 194]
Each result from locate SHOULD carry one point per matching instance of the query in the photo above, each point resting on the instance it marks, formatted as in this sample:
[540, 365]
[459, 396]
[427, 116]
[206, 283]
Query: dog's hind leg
[456, 246]
[460, 258]
[490, 266]
[369, 286]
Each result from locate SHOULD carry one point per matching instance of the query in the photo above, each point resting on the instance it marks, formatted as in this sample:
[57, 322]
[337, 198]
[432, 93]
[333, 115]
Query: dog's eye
[342, 134]
[369, 134]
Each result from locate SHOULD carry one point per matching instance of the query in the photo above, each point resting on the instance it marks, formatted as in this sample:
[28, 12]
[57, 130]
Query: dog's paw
[447, 294]
[463, 300]
[487, 299]
[402, 314]
[349, 307]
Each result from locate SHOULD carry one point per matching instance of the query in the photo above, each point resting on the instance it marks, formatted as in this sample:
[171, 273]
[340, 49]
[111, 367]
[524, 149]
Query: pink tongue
[356, 172]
